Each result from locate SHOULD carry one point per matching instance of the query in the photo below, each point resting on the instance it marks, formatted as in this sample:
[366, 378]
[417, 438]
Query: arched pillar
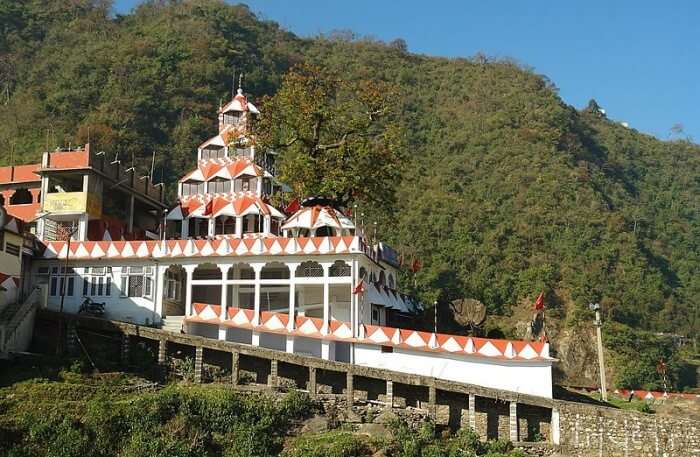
[239, 226]
[291, 325]
[189, 273]
[326, 297]
[185, 228]
[257, 267]
[224, 288]
[211, 227]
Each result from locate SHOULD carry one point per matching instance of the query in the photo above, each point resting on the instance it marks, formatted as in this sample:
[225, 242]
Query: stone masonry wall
[587, 431]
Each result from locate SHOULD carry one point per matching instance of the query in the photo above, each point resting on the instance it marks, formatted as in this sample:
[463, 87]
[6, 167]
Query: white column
[234, 288]
[267, 224]
[291, 325]
[325, 349]
[83, 227]
[189, 271]
[211, 228]
[239, 226]
[353, 299]
[224, 290]
[259, 185]
[159, 291]
[256, 304]
[185, 228]
[326, 299]
[290, 344]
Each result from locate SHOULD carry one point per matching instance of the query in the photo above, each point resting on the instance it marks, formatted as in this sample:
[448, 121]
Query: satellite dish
[469, 312]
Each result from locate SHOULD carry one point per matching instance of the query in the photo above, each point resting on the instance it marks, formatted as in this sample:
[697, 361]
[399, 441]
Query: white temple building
[228, 265]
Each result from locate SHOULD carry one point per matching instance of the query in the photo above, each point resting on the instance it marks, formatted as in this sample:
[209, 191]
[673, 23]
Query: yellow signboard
[73, 203]
[65, 202]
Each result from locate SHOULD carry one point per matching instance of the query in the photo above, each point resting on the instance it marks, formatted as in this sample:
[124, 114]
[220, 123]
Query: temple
[225, 263]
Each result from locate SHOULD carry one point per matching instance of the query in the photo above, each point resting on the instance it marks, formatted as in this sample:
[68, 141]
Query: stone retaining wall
[587, 431]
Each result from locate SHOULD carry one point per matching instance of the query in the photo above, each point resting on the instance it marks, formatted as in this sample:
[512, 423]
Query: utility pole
[601, 358]
[435, 308]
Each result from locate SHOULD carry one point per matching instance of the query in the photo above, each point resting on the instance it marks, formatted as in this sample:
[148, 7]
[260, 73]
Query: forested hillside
[507, 191]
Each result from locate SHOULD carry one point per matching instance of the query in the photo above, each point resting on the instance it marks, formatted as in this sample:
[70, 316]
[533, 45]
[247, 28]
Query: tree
[336, 138]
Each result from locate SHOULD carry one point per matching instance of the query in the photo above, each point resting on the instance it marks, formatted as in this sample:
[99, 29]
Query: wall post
[162, 357]
[235, 367]
[513, 423]
[432, 401]
[390, 393]
[556, 432]
[272, 379]
[472, 412]
[312, 381]
[349, 389]
[198, 356]
[125, 350]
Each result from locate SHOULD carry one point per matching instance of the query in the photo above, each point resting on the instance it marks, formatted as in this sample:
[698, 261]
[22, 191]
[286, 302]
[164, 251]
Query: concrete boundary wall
[572, 429]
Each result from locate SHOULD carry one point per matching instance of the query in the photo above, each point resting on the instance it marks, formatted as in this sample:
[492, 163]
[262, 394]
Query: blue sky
[640, 60]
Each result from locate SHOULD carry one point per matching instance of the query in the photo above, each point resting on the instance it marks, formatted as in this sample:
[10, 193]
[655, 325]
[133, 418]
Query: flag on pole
[359, 288]
[416, 266]
[293, 206]
[539, 302]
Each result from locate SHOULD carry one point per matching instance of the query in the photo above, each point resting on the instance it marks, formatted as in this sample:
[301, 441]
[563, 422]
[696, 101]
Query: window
[244, 184]
[392, 284]
[12, 249]
[232, 118]
[192, 188]
[137, 282]
[339, 268]
[213, 153]
[21, 196]
[219, 186]
[172, 289]
[97, 282]
[60, 284]
[309, 269]
[376, 315]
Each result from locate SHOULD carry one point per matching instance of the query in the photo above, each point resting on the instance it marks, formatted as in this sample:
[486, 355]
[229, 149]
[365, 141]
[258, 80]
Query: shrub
[329, 444]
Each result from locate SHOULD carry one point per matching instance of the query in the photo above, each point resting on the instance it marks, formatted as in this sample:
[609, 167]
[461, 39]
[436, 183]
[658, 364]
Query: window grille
[339, 268]
[136, 282]
[136, 286]
[309, 270]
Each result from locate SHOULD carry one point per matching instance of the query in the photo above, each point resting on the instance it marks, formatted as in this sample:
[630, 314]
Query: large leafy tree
[335, 137]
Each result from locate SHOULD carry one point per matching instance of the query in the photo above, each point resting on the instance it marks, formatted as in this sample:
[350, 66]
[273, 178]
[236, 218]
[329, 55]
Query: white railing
[16, 334]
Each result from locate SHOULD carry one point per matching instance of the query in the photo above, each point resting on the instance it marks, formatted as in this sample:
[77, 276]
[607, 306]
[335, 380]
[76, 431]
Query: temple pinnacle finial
[240, 84]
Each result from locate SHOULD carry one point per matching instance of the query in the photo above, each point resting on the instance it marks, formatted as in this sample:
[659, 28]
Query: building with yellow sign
[73, 186]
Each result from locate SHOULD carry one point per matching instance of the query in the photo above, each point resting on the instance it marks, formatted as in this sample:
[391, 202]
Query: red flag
[661, 367]
[539, 303]
[416, 265]
[292, 207]
[359, 288]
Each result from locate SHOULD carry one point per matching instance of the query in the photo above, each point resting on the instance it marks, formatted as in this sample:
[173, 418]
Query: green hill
[509, 191]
